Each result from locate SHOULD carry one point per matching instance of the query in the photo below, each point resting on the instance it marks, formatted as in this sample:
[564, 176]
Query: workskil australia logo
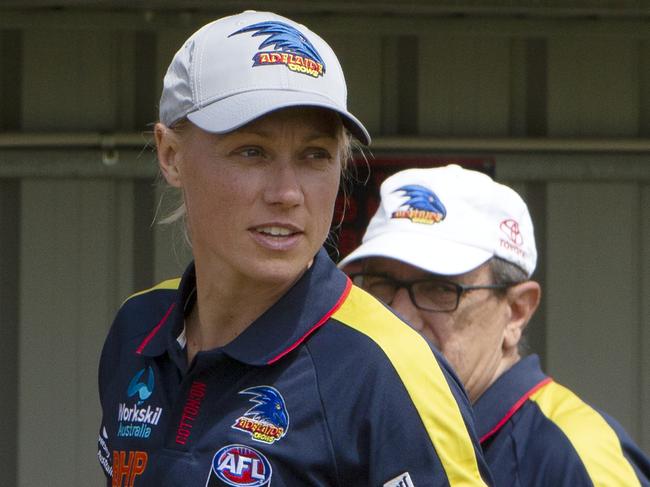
[268, 420]
[134, 419]
[290, 47]
[239, 465]
[422, 205]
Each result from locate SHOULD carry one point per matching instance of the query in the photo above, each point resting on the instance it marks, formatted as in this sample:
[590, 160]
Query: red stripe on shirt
[320, 323]
[515, 408]
[155, 330]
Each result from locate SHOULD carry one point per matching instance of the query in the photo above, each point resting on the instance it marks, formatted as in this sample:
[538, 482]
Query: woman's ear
[167, 147]
[523, 300]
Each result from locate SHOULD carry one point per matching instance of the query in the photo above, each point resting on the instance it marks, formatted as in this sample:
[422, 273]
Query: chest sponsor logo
[135, 420]
[103, 454]
[268, 420]
[239, 465]
[402, 480]
[127, 466]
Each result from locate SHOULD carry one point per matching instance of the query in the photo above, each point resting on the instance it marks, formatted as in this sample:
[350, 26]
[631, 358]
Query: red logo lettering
[191, 411]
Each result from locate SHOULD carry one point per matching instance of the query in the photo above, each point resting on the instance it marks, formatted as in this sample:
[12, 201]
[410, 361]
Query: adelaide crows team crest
[289, 47]
[422, 205]
[268, 420]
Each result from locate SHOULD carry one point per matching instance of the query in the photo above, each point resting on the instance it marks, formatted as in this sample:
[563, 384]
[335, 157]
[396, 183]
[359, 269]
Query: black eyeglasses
[426, 294]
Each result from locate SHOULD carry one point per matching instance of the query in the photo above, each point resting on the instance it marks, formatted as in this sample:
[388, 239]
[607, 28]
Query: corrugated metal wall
[75, 219]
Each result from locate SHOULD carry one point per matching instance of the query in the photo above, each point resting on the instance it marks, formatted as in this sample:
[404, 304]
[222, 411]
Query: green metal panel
[464, 86]
[360, 57]
[592, 302]
[68, 293]
[593, 86]
[70, 80]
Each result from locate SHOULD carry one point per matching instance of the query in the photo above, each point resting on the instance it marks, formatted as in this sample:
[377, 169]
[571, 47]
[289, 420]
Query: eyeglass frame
[461, 289]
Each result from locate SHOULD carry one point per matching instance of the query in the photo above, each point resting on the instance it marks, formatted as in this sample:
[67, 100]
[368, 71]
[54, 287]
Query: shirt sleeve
[586, 442]
[418, 425]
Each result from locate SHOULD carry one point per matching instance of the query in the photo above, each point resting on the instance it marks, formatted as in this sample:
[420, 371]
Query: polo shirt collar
[164, 335]
[305, 307]
[508, 393]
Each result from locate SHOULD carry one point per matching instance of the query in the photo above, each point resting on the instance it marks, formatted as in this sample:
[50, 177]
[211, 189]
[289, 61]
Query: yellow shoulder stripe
[594, 440]
[423, 379]
[168, 284]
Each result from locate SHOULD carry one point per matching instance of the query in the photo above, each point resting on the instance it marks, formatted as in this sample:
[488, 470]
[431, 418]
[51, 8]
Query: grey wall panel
[464, 86]
[593, 86]
[592, 302]
[66, 88]
[68, 291]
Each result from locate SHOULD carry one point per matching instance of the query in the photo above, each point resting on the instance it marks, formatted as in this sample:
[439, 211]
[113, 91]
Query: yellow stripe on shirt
[168, 284]
[423, 379]
[593, 439]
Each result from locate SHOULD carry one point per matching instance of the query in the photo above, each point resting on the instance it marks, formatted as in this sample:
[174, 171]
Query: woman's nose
[283, 186]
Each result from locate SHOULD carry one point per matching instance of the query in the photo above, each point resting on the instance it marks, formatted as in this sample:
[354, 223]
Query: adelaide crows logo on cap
[268, 420]
[422, 206]
[291, 48]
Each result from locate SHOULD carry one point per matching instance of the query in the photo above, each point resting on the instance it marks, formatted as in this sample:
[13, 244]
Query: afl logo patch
[239, 465]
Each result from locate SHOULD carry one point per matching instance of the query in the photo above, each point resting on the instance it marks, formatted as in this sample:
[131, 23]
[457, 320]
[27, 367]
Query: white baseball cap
[448, 220]
[238, 68]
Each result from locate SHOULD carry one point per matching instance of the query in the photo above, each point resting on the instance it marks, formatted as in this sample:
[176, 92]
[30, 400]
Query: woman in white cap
[263, 363]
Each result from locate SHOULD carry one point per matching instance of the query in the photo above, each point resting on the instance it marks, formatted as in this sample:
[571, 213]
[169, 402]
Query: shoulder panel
[592, 438]
[420, 372]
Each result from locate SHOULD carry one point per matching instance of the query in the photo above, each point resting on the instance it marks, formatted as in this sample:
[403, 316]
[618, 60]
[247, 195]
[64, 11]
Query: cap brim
[230, 113]
[432, 255]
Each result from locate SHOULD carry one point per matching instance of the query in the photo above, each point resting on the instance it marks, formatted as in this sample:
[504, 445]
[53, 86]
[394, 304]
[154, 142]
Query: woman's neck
[225, 308]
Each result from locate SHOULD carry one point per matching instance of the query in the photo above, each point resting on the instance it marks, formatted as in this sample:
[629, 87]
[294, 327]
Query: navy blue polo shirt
[326, 388]
[535, 432]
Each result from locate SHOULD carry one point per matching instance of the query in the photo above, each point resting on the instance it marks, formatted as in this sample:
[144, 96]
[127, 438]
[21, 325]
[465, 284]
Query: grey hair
[504, 272]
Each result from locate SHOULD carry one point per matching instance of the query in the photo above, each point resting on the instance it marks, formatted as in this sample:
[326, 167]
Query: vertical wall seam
[11, 74]
[10, 250]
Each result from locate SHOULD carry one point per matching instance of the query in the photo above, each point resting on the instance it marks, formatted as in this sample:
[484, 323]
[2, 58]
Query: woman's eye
[318, 154]
[250, 152]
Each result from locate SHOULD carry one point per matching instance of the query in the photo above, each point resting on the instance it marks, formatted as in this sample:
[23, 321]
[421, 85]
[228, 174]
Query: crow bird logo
[285, 38]
[269, 406]
[421, 198]
[423, 206]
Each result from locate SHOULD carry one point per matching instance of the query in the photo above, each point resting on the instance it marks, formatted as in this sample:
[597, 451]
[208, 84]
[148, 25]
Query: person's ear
[523, 300]
[167, 147]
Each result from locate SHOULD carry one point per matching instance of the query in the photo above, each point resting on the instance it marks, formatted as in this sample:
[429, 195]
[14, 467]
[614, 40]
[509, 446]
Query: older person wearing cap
[453, 252]
[263, 364]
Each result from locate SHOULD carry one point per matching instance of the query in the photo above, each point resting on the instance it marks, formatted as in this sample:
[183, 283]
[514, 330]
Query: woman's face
[260, 199]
